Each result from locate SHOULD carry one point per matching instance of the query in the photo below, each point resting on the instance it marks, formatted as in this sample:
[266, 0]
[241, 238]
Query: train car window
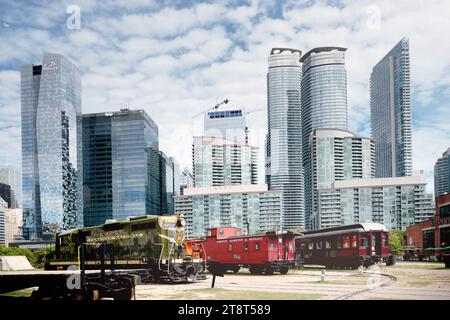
[245, 246]
[257, 246]
[230, 247]
[346, 242]
[364, 242]
[303, 245]
[310, 245]
[354, 241]
[64, 240]
[271, 246]
[385, 240]
[327, 244]
[339, 243]
[319, 245]
[143, 226]
[112, 227]
[221, 232]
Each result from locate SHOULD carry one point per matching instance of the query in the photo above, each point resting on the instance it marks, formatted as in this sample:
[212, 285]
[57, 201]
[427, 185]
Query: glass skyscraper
[121, 166]
[9, 175]
[219, 162]
[390, 108]
[51, 146]
[324, 104]
[169, 183]
[284, 171]
[337, 155]
[442, 174]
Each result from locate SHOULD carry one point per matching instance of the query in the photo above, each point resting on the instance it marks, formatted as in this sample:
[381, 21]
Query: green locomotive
[149, 244]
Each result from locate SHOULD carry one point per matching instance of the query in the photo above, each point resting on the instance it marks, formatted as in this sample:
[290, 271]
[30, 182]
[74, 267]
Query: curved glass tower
[324, 103]
[51, 146]
[284, 139]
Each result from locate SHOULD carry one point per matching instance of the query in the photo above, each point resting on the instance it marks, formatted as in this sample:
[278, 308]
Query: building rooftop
[214, 140]
[339, 133]
[321, 49]
[378, 182]
[231, 189]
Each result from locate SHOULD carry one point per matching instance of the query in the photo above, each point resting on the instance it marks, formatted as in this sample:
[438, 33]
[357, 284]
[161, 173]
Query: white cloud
[177, 62]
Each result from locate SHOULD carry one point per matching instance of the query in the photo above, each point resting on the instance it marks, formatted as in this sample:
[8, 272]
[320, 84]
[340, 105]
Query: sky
[176, 59]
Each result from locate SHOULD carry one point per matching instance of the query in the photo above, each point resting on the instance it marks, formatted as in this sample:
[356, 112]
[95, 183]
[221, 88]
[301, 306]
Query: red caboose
[262, 254]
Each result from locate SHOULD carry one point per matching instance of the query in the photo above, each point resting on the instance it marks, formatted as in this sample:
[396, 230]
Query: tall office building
[10, 175]
[390, 108]
[51, 146]
[13, 225]
[226, 124]
[221, 162]
[3, 208]
[442, 174]
[186, 180]
[284, 170]
[169, 183]
[250, 207]
[324, 104]
[121, 166]
[7, 194]
[395, 202]
[337, 155]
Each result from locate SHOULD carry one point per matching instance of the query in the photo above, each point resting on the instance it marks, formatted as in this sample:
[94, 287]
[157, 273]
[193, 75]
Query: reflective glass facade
[169, 183]
[395, 203]
[442, 174]
[3, 208]
[221, 162]
[51, 146]
[337, 155]
[284, 171]
[324, 104]
[10, 175]
[122, 166]
[390, 107]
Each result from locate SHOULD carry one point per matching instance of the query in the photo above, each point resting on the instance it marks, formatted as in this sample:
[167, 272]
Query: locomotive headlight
[181, 222]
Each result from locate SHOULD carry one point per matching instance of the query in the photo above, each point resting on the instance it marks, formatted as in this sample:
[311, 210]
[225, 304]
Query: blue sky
[177, 58]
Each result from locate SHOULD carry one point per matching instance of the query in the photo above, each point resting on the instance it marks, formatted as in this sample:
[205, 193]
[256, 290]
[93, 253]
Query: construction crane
[254, 110]
[213, 108]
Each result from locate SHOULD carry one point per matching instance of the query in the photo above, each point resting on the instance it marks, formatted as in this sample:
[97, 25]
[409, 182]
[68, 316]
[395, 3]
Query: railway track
[392, 279]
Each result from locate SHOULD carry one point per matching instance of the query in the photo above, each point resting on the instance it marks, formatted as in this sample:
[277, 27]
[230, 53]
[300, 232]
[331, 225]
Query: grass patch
[25, 293]
[419, 283]
[224, 294]
[426, 266]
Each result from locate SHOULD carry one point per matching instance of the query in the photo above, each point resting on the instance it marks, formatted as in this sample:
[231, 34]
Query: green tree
[397, 241]
[11, 251]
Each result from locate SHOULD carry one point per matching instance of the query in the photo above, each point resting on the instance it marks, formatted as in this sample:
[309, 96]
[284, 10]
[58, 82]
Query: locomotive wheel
[269, 271]
[236, 269]
[284, 270]
[255, 270]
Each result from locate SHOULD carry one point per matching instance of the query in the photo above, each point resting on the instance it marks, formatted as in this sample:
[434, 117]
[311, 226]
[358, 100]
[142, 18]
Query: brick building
[435, 232]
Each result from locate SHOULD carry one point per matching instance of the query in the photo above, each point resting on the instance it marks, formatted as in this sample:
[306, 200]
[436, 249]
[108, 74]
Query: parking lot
[405, 280]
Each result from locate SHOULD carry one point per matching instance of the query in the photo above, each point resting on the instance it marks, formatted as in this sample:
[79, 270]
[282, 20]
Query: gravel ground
[421, 280]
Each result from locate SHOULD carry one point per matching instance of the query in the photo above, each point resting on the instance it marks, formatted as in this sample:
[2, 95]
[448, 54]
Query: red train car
[262, 254]
[347, 246]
